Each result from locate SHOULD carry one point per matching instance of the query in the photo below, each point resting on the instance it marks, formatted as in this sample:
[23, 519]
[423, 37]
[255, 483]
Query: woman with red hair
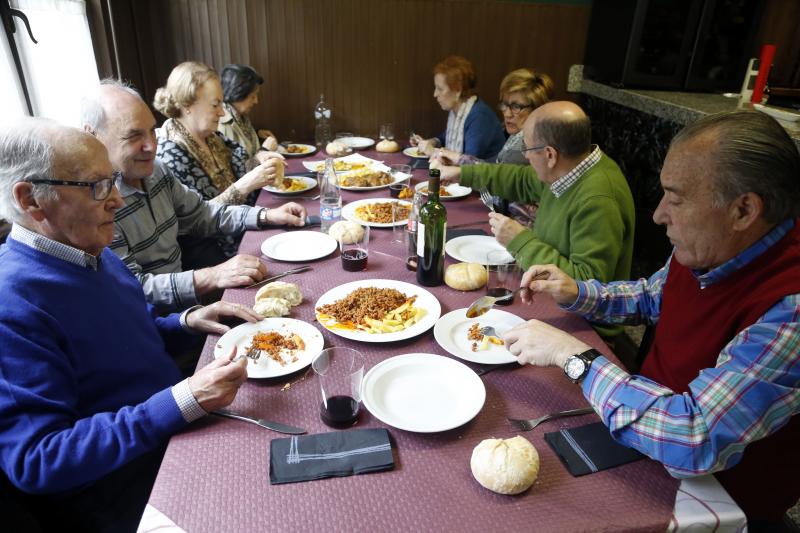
[472, 126]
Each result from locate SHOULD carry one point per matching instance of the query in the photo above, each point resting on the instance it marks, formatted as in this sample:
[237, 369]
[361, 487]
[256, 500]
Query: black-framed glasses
[514, 107]
[534, 148]
[100, 188]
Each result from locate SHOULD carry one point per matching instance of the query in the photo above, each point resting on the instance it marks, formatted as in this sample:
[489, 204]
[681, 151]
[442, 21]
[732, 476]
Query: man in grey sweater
[158, 208]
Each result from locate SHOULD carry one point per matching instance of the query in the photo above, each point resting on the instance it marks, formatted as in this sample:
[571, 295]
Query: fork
[487, 199]
[316, 197]
[527, 425]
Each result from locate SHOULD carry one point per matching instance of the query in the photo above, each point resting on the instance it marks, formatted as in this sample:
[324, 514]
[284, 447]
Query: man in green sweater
[585, 221]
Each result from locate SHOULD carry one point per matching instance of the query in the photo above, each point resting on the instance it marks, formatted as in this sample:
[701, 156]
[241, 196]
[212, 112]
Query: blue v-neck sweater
[85, 376]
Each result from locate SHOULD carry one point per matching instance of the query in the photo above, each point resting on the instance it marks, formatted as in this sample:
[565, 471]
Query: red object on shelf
[765, 64]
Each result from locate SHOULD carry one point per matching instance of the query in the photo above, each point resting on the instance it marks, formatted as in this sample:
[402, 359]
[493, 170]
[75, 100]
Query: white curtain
[12, 100]
[61, 67]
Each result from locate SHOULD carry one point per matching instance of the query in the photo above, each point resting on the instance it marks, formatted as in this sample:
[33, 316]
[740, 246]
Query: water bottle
[330, 197]
[411, 232]
[322, 120]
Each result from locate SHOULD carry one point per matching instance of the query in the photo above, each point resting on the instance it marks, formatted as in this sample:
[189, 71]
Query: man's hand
[290, 214]
[215, 385]
[427, 146]
[504, 228]
[206, 319]
[449, 174]
[549, 279]
[235, 272]
[540, 344]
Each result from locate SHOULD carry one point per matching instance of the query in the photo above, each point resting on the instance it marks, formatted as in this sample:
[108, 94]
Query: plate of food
[461, 336]
[369, 178]
[344, 164]
[273, 346]
[296, 149]
[376, 212]
[292, 185]
[298, 246]
[413, 151]
[475, 249]
[423, 392]
[377, 310]
[453, 191]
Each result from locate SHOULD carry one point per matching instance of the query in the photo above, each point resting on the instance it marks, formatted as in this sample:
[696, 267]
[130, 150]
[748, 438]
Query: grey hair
[753, 153]
[92, 112]
[26, 153]
[572, 137]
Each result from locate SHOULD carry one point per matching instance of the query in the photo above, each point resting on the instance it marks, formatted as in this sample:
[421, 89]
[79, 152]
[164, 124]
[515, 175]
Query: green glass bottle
[431, 232]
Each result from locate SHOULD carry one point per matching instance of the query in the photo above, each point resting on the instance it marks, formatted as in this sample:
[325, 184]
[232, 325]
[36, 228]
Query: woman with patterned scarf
[240, 87]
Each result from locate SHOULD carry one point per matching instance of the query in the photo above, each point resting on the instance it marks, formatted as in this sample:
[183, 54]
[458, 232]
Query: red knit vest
[695, 325]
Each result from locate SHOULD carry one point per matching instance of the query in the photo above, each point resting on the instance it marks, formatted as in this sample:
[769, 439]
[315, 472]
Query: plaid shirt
[753, 390]
[566, 181]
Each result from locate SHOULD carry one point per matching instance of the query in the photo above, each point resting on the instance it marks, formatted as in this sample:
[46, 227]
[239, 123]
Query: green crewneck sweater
[587, 232]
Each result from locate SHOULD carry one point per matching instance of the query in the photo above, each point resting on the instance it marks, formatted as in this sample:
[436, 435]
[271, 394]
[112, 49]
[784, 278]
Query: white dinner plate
[455, 190]
[298, 246]
[400, 176]
[310, 149]
[308, 184]
[474, 249]
[411, 151]
[242, 335]
[349, 212]
[451, 331]
[423, 393]
[356, 143]
[425, 300]
[319, 166]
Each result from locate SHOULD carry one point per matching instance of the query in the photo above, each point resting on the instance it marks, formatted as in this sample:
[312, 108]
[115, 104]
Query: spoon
[482, 305]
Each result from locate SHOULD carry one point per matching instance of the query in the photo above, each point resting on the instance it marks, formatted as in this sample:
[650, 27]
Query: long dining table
[215, 474]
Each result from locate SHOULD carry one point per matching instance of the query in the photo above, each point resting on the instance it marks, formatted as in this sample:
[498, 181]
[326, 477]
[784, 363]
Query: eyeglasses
[101, 189]
[513, 106]
[534, 148]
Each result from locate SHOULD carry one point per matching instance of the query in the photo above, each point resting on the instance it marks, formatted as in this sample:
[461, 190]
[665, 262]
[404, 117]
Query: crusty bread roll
[387, 146]
[346, 231]
[281, 289]
[270, 143]
[465, 276]
[505, 466]
[336, 149]
[270, 307]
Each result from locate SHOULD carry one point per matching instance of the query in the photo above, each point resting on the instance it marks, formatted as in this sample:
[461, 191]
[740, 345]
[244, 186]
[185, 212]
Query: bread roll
[505, 466]
[270, 143]
[270, 307]
[336, 149]
[387, 146]
[347, 231]
[280, 289]
[465, 276]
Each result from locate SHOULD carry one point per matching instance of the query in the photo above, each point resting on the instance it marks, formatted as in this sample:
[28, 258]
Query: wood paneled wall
[371, 58]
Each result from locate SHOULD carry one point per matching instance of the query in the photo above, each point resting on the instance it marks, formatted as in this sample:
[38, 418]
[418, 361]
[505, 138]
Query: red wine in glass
[499, 292]
[341, 411]
[354, 260]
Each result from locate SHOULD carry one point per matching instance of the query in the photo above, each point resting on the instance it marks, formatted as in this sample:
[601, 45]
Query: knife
[274, 426]
[279, 276]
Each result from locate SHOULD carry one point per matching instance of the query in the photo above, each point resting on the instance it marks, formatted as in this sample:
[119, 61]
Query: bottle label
[420, 239]
[444, 237]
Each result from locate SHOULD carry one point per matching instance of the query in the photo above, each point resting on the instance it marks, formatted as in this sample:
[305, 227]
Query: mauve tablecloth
[215, 475]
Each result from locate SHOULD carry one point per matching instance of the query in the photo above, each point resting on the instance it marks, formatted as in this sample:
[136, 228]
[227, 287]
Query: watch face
[575, 367]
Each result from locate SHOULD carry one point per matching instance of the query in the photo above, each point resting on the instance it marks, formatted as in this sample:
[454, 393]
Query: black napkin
[418, 163]
[588, 449]
[301, 174]
[340, 453]
[461, 232]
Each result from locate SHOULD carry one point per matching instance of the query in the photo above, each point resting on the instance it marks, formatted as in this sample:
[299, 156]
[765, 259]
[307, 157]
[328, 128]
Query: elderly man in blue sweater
[88, 392]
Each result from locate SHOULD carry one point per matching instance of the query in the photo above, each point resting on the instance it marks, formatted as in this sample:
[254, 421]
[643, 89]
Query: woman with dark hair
[472, 126]
[240, 86]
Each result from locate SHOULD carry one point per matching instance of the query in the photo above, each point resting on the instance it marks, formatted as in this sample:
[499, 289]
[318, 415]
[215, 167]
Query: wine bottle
[431, 231]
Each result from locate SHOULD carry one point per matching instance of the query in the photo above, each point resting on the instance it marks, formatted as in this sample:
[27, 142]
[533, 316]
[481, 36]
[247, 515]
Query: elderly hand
[235, 272]
[290, 214]
[448, 174]
[263, 157]
[414, 139]
[267, 173]
[549, 279]
[206, 319]
[270, 143]
[427, 146]
[215, 385]
[504, 228]
[540, 344]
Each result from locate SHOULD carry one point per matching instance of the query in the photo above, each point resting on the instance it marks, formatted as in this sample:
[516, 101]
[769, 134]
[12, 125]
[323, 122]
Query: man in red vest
[720, 387]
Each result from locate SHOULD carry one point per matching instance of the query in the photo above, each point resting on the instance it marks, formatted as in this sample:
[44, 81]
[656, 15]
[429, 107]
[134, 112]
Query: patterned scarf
[237, 127]
[454, 137]
[216, 161]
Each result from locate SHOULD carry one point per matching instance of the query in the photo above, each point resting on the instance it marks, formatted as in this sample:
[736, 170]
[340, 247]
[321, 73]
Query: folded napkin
[588, 449]
[461, 232]
[339, 453]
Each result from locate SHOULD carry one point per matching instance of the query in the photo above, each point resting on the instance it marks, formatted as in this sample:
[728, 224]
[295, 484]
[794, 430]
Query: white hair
[26, 153]
[93, 114]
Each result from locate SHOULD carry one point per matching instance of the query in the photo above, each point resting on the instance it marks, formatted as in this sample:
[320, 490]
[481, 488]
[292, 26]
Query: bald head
[562, 125]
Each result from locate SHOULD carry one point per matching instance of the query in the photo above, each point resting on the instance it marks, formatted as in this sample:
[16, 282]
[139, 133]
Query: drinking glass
[401, 181]
[400, 212]
[354, 248]
[387, 132]
[504, 276]
[344, 138]
[340, 371]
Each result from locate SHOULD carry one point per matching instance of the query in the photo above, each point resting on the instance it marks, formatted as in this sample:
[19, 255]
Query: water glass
[387, 132]
[400, 211]
[354, 248]
[504, 276]
[340, 371]
[401, 176]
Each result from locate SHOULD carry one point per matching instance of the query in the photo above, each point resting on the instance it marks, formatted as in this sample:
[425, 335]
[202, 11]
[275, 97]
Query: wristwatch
[577, 366]
[262, 218]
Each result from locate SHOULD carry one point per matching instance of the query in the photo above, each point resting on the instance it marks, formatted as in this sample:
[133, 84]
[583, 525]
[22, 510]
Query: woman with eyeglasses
[472, 126]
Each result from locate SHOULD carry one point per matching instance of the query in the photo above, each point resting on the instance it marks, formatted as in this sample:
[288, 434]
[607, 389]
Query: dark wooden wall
[371, 58]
